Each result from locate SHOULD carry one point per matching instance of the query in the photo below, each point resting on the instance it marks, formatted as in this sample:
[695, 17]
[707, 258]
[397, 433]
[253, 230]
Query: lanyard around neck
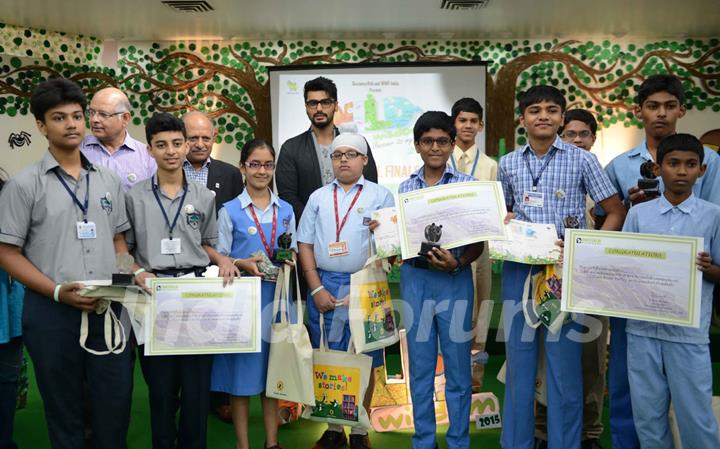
[162, 209]
[83, 207]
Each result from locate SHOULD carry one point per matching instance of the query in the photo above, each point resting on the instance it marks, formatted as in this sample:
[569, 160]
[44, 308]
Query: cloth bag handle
[111, 325]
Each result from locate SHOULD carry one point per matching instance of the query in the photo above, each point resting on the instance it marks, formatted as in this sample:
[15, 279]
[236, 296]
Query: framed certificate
[200, 316]
[637, 276]
[451, 215]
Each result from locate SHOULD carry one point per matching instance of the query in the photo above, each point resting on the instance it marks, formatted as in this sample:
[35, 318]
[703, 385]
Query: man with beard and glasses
[304, 163]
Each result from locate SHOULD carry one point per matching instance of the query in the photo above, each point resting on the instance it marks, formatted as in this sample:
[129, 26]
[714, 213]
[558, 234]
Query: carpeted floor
[31, 430]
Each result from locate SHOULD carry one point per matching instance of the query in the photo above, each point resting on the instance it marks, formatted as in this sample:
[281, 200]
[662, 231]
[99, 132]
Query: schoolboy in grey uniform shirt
[62, 222]
[174, 230]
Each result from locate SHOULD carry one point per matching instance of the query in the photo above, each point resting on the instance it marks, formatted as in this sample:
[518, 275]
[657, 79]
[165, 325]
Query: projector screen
[383, 99]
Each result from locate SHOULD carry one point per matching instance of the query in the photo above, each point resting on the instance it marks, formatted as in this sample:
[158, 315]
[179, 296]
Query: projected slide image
[384, 102]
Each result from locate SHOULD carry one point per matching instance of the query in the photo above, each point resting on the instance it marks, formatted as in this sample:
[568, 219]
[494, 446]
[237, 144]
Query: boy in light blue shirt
[668, 362]
[333, 239]
[660, 104]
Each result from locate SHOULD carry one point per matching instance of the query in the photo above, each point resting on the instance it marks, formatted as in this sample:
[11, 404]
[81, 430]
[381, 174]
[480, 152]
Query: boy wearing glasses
[438, 291]
[304, 163]
[333, 240]
[546, 181]
[110, 144]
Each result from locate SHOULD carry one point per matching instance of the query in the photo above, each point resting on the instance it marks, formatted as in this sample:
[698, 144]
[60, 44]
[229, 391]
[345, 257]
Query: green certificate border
[220, 349]
[694, 297]
[417, 194]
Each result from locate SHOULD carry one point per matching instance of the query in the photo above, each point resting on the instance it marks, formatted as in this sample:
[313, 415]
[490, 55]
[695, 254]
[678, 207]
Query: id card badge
[86, 230]
[337, 249]
[170, 246]
[533, 199]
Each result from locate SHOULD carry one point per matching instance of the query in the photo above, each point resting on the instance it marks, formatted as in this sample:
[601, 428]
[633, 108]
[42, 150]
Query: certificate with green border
[199, 316]
[637, 276]
[468, 212]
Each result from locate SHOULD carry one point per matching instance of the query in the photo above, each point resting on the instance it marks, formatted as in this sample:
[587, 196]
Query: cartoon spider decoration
[19, 139]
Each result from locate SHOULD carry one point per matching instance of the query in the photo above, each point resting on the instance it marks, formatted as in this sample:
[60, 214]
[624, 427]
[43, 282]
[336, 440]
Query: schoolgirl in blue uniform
[250, 225]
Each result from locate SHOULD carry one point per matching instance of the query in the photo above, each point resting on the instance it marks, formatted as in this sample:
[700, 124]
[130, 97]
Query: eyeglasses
[255, 165]
[325, 102]
[103, 115]
[350, 155]
[442, 142]
[573, 134]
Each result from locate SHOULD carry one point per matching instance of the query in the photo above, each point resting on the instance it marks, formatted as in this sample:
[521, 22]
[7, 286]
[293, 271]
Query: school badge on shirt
[106, 203]
[192, 216]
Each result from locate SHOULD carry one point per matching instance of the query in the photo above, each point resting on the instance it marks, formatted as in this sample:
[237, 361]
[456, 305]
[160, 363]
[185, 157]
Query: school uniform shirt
[238, 234]
[693, 217]
[196, 225]
[569, 174]
[41, 217]
[474, 163]
[624, 172]
[450, 176]
[318, 228]
[131, 161]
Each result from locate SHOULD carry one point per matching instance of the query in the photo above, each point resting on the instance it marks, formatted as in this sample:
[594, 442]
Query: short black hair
[161, 122]
[581, 115]
[253, 145]
[466, 105]
[321, 84]
[680, 142]
[537, 94]
[433, 119]
[55, 92]
[660, 83]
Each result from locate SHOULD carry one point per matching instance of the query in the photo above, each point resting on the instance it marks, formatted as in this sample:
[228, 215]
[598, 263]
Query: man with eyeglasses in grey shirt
[110, 144]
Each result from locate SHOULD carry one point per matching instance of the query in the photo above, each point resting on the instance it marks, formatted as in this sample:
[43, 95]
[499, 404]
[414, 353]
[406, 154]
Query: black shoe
[592, 443]
[359, 442]
[540, 444]
[331, 440]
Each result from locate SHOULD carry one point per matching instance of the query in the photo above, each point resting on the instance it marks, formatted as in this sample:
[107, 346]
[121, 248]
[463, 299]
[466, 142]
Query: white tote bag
[290, 364]
[371, 313]
[340, 382]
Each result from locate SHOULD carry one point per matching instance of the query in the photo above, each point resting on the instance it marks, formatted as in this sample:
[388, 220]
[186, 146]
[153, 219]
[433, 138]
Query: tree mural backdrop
[229, 80]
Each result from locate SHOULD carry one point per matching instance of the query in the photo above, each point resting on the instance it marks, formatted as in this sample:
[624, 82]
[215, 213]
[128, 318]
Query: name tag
[86, 230]
[337, 249]
[533, 199]
[170, 246]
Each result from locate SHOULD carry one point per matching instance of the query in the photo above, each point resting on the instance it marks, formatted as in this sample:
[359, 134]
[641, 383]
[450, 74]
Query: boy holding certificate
[546, 181]
[660, 105]
[173, 233]
[333, 238]
[667, 362]
[62, 221]
[438, 291]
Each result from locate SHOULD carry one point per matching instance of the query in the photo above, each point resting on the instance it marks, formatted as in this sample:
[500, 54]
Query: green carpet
[31, 430]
